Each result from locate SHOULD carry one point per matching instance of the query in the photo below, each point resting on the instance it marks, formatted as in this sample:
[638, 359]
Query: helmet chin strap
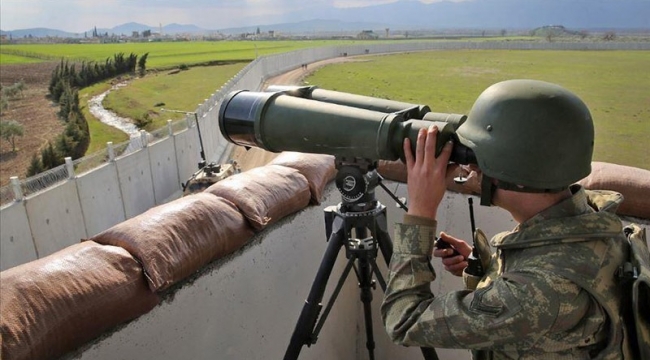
[488, 188]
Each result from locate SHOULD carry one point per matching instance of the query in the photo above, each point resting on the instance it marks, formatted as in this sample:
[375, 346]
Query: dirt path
[255, 157]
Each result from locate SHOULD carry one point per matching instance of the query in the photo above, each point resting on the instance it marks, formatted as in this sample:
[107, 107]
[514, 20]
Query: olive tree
[9, 129]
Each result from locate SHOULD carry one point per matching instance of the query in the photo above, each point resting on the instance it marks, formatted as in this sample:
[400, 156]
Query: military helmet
[530, 133]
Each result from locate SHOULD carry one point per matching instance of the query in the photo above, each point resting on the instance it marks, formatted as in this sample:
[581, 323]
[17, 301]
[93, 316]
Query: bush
[142, 121]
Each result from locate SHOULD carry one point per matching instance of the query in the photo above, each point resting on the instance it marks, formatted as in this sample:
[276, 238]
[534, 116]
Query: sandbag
[392, 170]
[174, 240]
[265, 194]
[633, 183]
[319, 170]
[53, 305]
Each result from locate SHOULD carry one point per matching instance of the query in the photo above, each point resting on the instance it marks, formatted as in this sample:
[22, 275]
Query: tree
[142, 64]
[9, 129]
[50, 158]
[35, 166]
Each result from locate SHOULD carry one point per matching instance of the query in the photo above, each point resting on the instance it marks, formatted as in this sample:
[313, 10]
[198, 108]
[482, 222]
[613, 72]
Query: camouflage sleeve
[513, 312]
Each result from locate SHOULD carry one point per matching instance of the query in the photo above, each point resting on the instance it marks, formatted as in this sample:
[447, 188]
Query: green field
[161, 54]
[10, 59]
[614, 84]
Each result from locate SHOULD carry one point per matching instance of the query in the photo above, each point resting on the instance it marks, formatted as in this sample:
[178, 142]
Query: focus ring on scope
[351, 183]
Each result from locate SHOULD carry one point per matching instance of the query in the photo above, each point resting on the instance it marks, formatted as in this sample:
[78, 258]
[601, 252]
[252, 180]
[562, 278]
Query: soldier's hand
[426, 174]
[453, 264]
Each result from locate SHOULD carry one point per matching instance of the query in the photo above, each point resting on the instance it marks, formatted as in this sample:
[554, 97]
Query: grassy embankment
[614, 84]
[179, 91]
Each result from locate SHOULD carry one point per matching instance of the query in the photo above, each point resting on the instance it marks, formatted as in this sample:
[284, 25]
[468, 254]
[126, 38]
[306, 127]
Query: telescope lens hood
[238, 114]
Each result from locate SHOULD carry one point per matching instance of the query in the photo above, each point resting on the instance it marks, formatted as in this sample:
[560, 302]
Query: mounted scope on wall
[312, 120]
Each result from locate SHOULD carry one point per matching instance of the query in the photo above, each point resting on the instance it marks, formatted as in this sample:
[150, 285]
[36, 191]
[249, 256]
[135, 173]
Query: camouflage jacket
[524, 308]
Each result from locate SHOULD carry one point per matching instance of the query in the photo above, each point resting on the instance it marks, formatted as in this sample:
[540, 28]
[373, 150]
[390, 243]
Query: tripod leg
[302, 334]
[365, 283]
[382, 236]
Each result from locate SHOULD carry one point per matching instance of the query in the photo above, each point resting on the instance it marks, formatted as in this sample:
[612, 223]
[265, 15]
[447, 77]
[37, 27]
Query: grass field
[161, 54]
[614, 84]
[172, 54]
[9, 59]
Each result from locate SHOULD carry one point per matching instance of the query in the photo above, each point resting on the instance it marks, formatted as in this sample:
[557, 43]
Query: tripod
[360, 212]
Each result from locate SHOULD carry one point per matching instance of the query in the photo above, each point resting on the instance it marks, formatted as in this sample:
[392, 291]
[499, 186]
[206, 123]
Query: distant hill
[414, 15]
[308, 27]
[39, 32]
[124, 29]
[494, 14]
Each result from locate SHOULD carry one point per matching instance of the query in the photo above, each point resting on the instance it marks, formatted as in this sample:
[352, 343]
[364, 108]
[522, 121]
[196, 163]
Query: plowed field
[34, 111]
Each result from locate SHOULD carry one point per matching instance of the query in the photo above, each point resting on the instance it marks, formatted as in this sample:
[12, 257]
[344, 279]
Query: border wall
[81, 205]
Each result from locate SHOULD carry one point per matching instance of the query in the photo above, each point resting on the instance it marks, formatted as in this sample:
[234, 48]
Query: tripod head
[356, 180]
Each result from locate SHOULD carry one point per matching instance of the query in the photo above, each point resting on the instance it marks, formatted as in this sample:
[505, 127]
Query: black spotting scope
[312, 120]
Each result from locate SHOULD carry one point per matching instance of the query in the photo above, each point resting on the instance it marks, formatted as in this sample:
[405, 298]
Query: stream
[110, 118]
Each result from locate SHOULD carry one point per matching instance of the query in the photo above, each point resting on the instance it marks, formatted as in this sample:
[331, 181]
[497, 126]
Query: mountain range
[414, 15]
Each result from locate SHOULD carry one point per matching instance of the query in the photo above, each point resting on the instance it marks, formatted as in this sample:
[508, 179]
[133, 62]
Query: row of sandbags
[53, 305]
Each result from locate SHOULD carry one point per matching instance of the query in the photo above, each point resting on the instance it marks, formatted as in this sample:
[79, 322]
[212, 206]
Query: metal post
[143, 138]
[169, 127]
[18, 191]
[111, 151]
[70, 167]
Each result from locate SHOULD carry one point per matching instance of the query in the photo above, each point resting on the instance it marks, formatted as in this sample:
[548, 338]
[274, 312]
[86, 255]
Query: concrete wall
[246, 306]
[85, 205]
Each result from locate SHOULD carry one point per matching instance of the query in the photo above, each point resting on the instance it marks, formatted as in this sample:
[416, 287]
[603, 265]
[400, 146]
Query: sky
[78, 16]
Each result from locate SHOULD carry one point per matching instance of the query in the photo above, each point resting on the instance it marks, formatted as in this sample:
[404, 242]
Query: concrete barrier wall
[16, 242]
[88, 204]
[247, 305]
[101, 198]
[164, 169]
[55, 218]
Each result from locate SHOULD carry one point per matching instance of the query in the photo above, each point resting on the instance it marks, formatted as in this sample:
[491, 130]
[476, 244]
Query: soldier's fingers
[453, 260]
[408, 153]
[456, 268]
[430, 146]
[419, 146]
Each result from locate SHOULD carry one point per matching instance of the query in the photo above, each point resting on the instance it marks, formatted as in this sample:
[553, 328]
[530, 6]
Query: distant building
[367, 35]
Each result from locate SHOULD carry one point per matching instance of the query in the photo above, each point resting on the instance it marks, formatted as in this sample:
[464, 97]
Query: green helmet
[530, 133]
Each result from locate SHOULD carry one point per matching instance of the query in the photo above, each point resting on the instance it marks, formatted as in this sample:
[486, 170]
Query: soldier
[532, 141]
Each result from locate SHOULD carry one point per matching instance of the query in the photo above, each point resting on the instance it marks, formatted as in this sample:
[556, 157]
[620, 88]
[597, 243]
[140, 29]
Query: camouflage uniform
[525, 307]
